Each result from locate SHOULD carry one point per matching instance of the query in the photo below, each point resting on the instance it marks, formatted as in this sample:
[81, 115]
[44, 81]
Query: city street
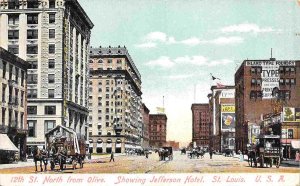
[180, 164]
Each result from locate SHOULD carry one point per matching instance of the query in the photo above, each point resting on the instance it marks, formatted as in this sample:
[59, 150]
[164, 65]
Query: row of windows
[258, 82]
[34, 64]
[32, 124]
[33, 78]
[49, 110]
[31, 34]
[32, 93]
[15, 4]
[283, 94]
[16, 72]
[13, 19]
[282, 70]
[119, 61]
[31, 49]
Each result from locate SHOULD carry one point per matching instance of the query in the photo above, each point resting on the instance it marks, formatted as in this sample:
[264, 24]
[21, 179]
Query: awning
[295, 144]
[6, 144]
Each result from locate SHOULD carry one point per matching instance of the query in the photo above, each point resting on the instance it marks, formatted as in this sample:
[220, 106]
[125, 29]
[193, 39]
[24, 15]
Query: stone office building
[115, 102]
[13, 72]
[54, 37]
[255, 81]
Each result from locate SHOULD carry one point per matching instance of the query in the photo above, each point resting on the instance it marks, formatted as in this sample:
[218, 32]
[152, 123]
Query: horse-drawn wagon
[267, 151]
[65, 147]
[165, 153]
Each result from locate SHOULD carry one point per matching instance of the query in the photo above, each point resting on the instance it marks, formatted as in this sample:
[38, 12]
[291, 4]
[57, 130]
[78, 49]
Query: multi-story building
[54, 37]
[157, 130]
[201, 127]
[225, 118]
[145, 129]
[13, 72]
[115, 103]
[255, 82]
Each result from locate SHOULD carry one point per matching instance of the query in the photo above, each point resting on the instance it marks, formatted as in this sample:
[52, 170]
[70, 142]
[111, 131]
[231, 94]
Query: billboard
[291, 114]
[270, 75]
[227, 117]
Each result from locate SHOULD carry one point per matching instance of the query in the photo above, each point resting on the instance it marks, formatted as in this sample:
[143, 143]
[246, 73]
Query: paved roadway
[139, 164]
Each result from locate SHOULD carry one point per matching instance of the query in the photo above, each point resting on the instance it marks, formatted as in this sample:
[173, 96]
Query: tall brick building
[201, 125]
[255, 81]
[157, 130]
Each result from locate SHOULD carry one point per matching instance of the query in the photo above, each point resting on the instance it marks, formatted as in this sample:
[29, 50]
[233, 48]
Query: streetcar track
[158, 166]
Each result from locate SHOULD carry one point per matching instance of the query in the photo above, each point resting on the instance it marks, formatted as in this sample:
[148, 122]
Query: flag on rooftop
[160, 110]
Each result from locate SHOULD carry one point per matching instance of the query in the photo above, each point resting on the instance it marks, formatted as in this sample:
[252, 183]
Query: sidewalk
[29, 162]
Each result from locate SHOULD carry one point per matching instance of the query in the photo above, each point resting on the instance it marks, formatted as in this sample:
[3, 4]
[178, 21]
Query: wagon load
[65, 147]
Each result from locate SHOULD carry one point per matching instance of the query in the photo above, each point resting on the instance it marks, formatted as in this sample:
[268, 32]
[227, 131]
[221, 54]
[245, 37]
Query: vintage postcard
[149, 92]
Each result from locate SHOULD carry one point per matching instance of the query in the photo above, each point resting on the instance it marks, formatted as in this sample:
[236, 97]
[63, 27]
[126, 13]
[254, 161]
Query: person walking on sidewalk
[112, 156]
[297, 156]
[210, 153]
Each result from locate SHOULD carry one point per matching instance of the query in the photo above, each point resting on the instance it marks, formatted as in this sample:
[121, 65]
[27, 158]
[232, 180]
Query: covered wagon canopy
[6, 144]
[69, 130]
[58, 127]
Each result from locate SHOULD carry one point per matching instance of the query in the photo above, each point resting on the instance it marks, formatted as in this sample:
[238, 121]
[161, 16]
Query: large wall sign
[270, 75]
[227, 117]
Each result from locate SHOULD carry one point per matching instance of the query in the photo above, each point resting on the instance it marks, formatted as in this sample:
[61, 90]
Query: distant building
[157, 130]
[54, 37]
[173, 144]
[201, 127]
[13, 73]
[115, 102]
[255, 81]
[145, 128]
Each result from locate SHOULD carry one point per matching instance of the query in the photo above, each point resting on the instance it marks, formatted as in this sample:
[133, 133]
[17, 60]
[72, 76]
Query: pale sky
[176, 44]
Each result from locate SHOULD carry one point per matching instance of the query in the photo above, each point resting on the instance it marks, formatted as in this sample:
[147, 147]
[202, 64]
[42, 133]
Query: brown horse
[42, 157]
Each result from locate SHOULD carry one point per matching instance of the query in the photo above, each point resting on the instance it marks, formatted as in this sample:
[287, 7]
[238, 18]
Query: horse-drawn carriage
[64, 148]
[165, 153]
[196, 153]
[267, 151]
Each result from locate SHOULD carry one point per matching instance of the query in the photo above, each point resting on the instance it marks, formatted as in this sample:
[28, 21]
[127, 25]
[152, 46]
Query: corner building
[54, 37]
[255, 81]
[115, 103]
[13, 72]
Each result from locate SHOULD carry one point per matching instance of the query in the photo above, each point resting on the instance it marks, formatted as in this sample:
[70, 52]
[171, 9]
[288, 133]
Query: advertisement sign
[228, 120]
[297, 114]
[227, 116]
[228, 108]
[289, 114]
[270, 75]
[227, 93]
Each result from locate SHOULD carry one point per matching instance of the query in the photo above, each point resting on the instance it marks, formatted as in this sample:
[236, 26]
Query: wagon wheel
[278, 162]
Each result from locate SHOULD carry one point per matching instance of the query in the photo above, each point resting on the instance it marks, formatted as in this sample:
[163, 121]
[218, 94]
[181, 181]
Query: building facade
[201, 127]
[225, 118]
[255, 81]
[54, 37]
[157, 130]
[145, 129]
[115, 103]
[13, 73]
[173, 144]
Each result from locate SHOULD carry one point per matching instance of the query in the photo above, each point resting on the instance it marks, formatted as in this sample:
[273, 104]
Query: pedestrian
[210, 153]
[297, 156]
[146, 153]
[241, 156]
[112, 156]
